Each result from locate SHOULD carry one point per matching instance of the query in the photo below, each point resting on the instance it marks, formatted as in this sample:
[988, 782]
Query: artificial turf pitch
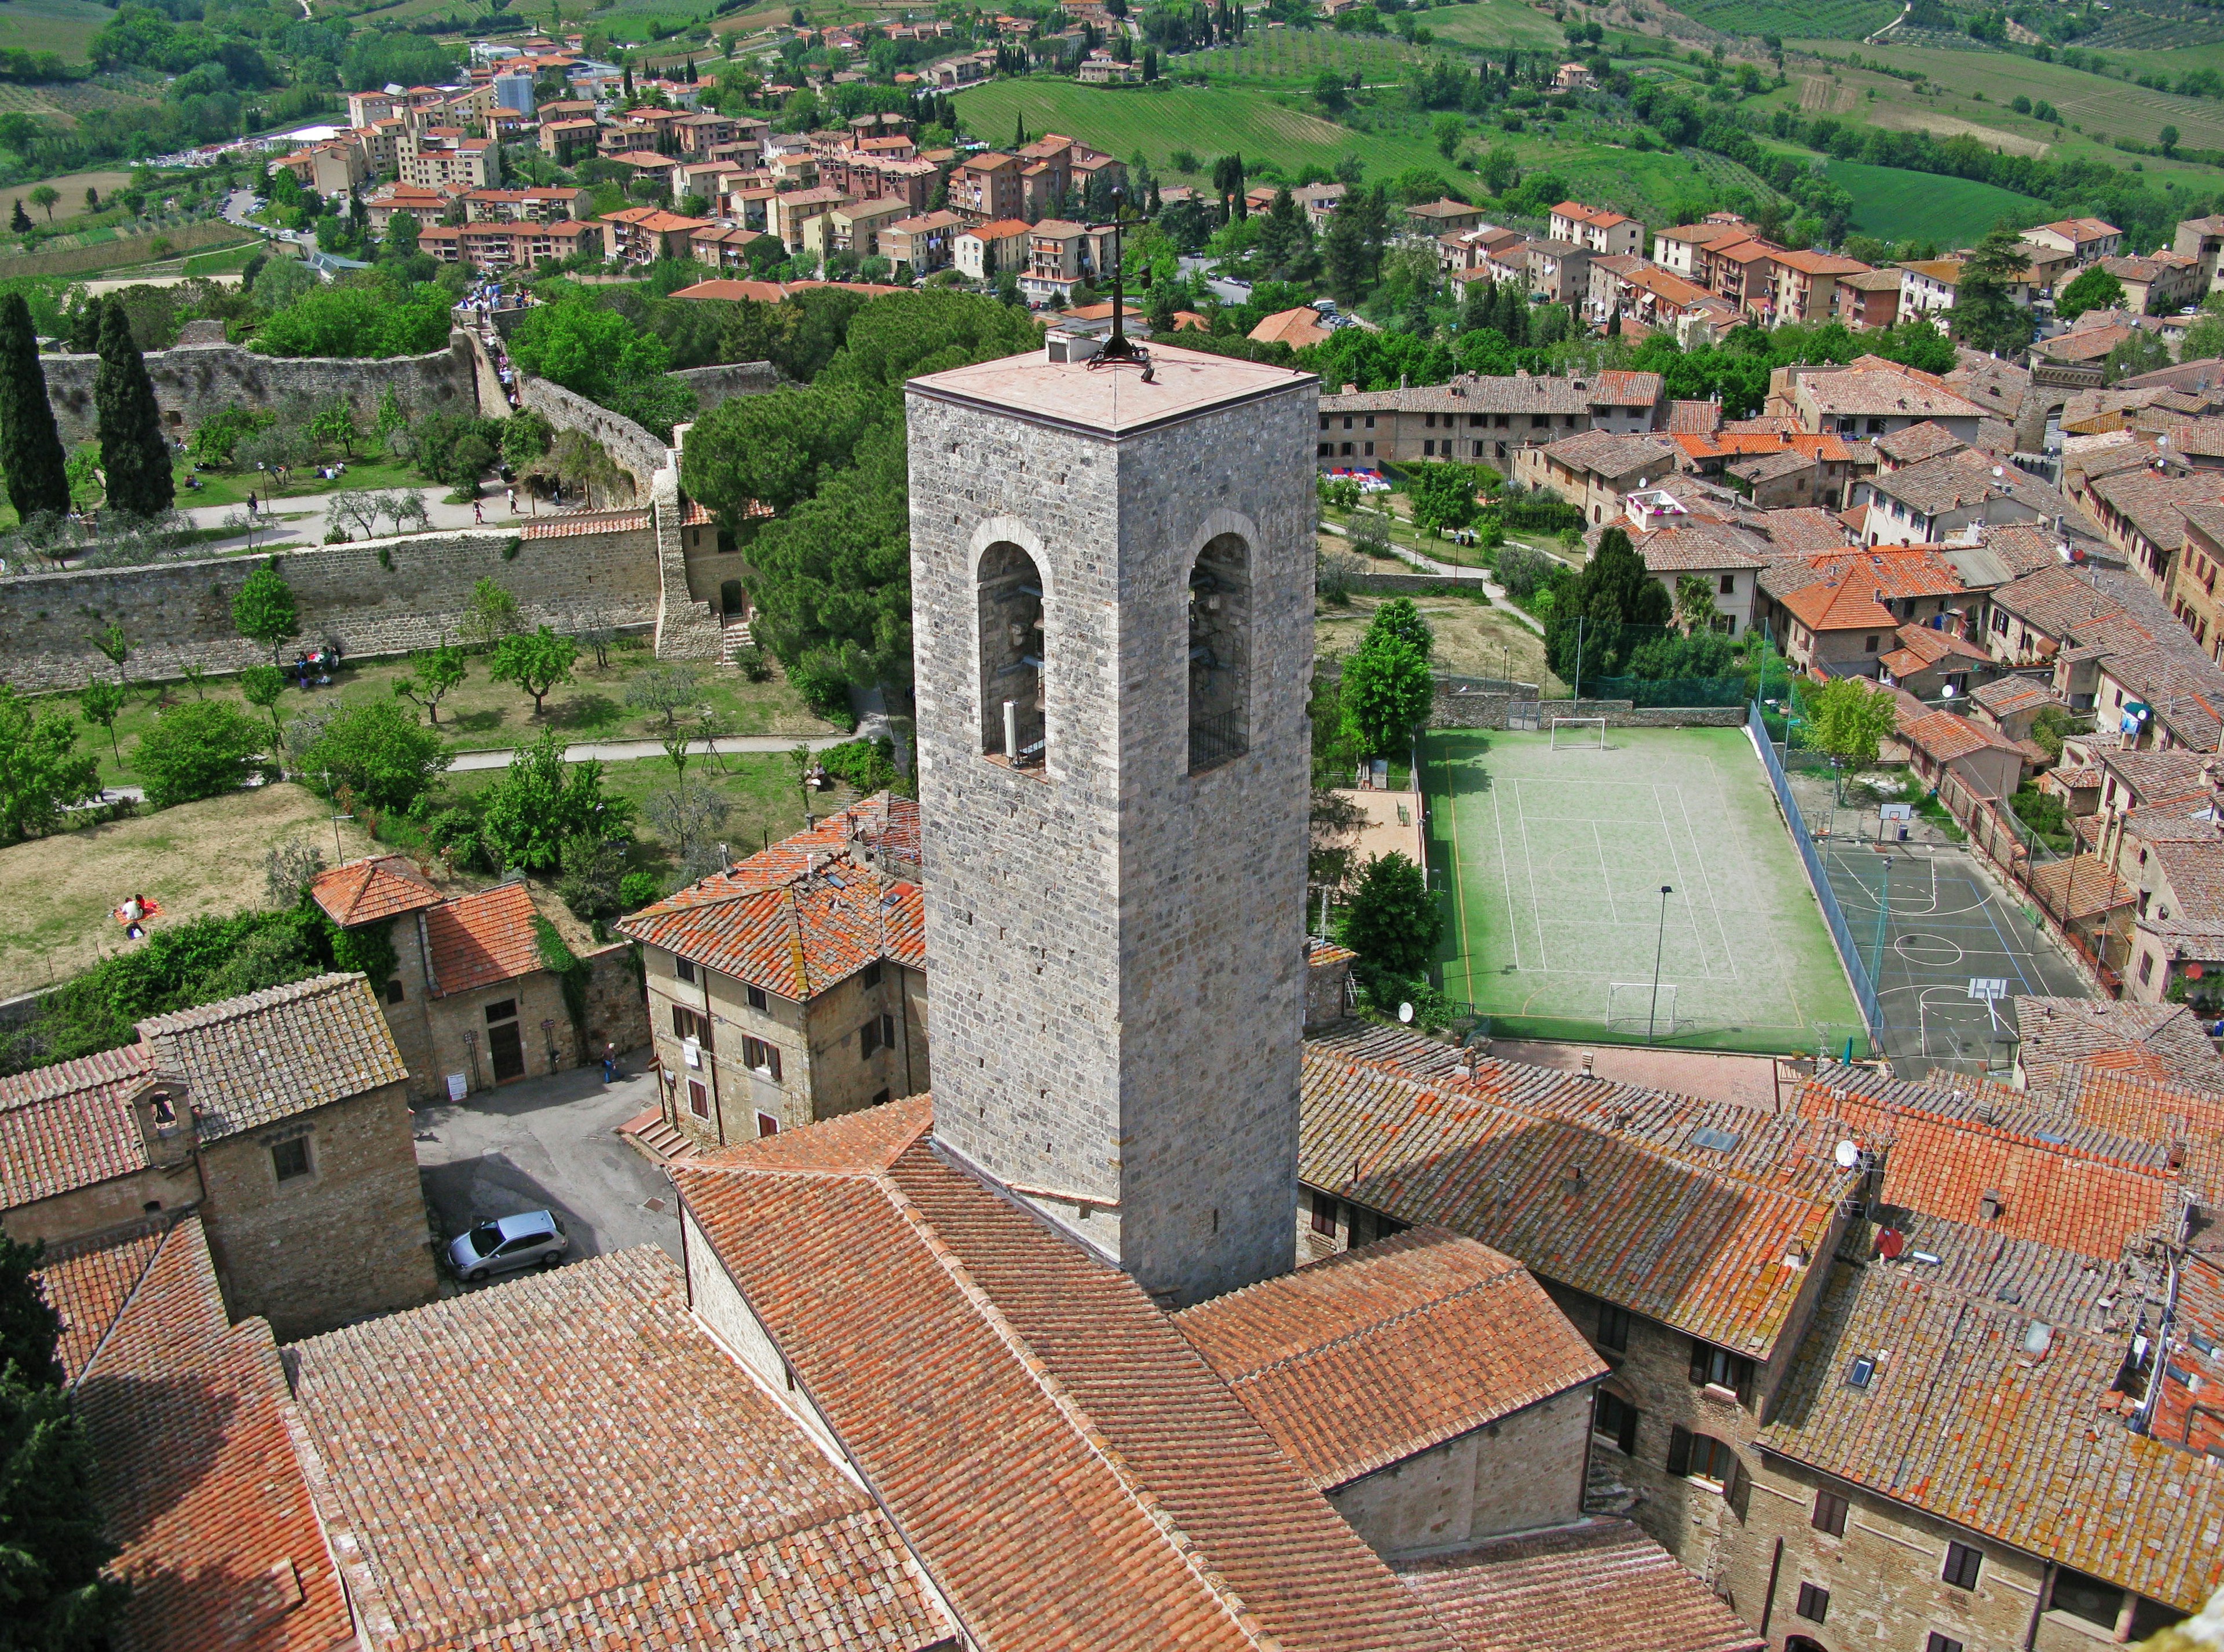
[1551, 864]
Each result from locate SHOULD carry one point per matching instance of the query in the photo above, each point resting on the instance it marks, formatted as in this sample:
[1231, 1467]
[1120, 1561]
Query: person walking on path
[609, 1063]
[478, 512]
[250, 505]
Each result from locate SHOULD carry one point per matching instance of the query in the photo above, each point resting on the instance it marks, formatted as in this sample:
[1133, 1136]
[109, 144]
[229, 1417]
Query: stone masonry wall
[194, 381]
[723, 382]
[1454, 708]
[1116, 945]
[638, 453]
[617, 1011]
[382, 597]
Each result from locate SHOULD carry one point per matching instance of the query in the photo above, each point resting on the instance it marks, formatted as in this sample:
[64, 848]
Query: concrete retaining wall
[194, 381]
[380, 597]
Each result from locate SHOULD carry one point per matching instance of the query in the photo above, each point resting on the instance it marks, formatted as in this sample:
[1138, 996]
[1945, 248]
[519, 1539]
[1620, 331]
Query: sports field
[1552, 863]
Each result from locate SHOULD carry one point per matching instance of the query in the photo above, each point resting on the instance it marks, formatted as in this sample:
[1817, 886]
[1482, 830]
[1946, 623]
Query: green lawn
[232, 487]
[61, 25]
[1899, 206]
[2096, 103]
[1497, 23]
[479, 714]
[1552, 864]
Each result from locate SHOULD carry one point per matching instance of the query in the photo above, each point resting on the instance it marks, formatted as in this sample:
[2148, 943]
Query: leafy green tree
[114, 646]
[2204, 339]
[1695, 602]
[333, 425]
[2094, 289]
[2143, 352]
[432, 675]
[264, 612]
[262, 686]
[594, 351]
[1986, 315]
[1391, 922]
[30, 448]
[1448, 130]
[1386, 692]
[46, 196]
[1283, 234]
[102, 702]
[1345, 255]
[56, 1543]
[537, 661]
[41, 773]
[491, 615]
[1592, 609]
[358, 320]
[379, 751]
[135, 455]
[663, 689]
[201, 750]
[1400, 620]
[526, 436]
[541, 802]
[1847, 718]
[1442, 496]
[1331, 90]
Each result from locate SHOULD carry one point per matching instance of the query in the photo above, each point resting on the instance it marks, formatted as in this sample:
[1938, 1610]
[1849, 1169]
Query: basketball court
[1946, 952]
[1552, 863]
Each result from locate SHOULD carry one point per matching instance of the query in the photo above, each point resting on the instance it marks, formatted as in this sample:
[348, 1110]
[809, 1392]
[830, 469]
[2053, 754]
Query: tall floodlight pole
[1652, 1010]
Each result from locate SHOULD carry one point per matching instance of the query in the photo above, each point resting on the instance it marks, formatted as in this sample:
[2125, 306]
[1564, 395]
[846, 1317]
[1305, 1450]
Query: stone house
[2009, 706]
[472, 1002]
[1940, 743]
[1942, 498]
[791, 986]
[1727, 557]
[278, 1118]
[1635, 1210]
[1933, 663]
[1482, 420]
[1839, 611]
[1869, 396]
[2086, 239]
[1597, 470]
[1499, 1447]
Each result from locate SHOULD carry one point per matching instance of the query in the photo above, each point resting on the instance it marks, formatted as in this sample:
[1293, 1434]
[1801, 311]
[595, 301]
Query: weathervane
[1119, 348]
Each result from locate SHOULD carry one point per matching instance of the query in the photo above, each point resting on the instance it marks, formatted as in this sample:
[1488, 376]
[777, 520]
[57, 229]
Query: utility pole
[1652, 1009]
[1576, 689]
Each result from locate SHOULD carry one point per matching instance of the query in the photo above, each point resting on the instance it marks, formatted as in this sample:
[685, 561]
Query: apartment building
[2085, 240]
[565, 141]
[984, 251]
[445, 158]
[1597, 229]
[985, 188]
[494, 247]
[1481, 421]
[641, 235]
[540, 204]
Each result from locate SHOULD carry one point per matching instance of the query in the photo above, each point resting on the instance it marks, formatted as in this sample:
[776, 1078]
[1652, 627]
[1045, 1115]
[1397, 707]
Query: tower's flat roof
[1112, 399]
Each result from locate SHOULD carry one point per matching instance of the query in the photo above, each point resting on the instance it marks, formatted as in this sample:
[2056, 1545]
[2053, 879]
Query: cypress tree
[30, 451]
[20, 222]
[133, 457]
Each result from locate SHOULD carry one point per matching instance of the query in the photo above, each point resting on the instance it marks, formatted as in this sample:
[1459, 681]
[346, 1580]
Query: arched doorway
[733, 601]
[1014, 722]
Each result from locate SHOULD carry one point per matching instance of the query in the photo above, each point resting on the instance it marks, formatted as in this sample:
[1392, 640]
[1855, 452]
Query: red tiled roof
[1599, 1586]
[70, 1124]
[571, 1460]
[1597, 1186]
[193, 1467]
[88, 1281]
[807, 912]
[2162, 1042]
[569, 527]
[263, 1056]
[2133, 1104]
[366, 891]
[1066, 1466]
[1379, 1353]
[478, 939]
[1946, 736]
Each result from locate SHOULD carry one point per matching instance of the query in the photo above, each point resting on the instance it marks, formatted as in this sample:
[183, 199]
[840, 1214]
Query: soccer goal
[1630, 1004]
[1579, 734]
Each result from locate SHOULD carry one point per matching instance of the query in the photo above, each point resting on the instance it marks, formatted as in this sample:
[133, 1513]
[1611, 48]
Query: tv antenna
[1119, 348]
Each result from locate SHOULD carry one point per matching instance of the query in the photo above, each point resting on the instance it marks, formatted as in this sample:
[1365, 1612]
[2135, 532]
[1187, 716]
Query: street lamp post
[1652, 1010]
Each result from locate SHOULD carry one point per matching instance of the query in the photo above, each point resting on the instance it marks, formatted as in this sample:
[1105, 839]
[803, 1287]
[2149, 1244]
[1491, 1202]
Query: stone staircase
[656, 1136]
[734, 636]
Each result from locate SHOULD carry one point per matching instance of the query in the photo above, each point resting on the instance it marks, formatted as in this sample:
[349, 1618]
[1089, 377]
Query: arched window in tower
[1011, 600]
[1219, 653]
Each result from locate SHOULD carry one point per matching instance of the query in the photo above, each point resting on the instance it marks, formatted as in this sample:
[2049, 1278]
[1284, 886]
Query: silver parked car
[535, 1239]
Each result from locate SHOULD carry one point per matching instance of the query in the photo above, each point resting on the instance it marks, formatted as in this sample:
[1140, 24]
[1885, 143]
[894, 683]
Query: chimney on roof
[1988, 1207]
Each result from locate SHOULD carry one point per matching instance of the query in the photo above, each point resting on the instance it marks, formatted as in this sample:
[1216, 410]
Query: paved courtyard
[549, 1143]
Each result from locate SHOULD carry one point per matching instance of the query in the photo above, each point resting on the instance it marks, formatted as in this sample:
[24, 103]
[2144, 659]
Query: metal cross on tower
[1119, 348]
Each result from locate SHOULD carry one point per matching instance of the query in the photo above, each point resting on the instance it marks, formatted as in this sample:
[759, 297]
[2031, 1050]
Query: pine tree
[30, 451]
[20, 222]
[135, 457]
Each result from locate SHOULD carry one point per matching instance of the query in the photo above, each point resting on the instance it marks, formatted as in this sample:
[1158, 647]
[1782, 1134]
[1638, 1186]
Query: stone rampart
[716, 384]
[1457, 706]
[382, 597]
[637, 452]
[194, 381]
[1417, 584]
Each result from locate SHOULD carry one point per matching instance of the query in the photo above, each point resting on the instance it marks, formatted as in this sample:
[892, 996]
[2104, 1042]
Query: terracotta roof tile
[2162, 1042]
[810, 911]
[1068, 1467]
[1598, 1585]
[71, 1125]
[194, 1467]
[1802, 530]
[1376, 1354]
[366, 890]
[1601, 1187]
[269, 1055]
[1962, 1420]
[655, 1497]
[1918, 442]
[480, 939]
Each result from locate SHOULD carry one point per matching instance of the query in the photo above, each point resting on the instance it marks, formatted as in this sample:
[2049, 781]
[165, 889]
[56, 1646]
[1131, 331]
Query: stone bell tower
[1112, 598]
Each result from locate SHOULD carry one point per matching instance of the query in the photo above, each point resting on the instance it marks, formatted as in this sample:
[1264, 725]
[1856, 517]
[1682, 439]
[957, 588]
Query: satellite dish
[1405, 1013]
[1847, 1154]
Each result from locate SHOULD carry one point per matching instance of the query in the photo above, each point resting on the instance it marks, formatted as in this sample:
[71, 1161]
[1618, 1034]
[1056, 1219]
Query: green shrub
[640, 889]
[202, 749]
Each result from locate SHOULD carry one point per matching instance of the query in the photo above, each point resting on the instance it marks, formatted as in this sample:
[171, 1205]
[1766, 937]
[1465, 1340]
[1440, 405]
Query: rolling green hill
[1897, 205]
[62, 25]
